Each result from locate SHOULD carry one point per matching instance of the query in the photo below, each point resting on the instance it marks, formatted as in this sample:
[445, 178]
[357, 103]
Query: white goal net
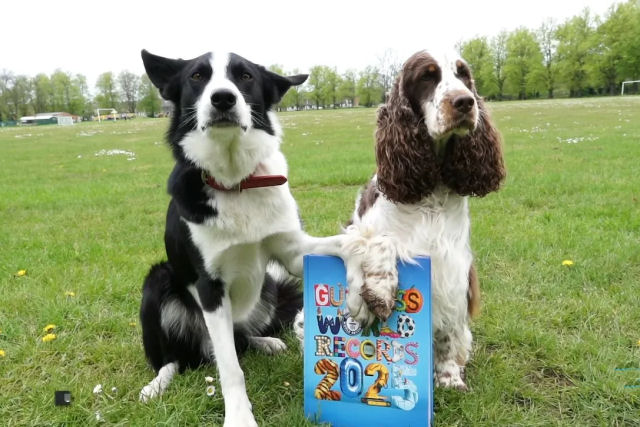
[631, 86]
[111, 114]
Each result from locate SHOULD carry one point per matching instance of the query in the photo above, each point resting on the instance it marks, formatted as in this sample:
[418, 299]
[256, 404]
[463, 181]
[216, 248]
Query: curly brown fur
[405, 155]
[473, 164]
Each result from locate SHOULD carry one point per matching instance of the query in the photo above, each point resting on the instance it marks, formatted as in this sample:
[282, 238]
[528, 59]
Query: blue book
[380, 375]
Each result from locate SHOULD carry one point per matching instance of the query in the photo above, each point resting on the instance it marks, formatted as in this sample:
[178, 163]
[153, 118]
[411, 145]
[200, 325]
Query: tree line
[21, 95]
[62, 91]
[584, 55]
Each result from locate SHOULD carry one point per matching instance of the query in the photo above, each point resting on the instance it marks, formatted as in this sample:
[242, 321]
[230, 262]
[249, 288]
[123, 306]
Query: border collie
[232, 234]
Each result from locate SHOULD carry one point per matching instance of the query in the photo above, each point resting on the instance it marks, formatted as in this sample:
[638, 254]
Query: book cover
[380, 375]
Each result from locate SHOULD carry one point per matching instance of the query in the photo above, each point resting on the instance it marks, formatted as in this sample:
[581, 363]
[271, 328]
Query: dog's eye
[246, 76]
[196, 76]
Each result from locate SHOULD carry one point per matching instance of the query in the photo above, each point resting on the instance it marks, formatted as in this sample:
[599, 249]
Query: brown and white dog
[435, 147]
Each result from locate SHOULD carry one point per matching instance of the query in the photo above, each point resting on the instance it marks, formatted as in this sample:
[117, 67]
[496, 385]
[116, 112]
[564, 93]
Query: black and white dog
[232, 225]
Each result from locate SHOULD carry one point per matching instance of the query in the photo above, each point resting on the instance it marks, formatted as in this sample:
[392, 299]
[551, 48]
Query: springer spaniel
[435, 147]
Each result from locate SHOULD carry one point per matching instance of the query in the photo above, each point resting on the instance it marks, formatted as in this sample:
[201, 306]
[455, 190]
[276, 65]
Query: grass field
[555, 345]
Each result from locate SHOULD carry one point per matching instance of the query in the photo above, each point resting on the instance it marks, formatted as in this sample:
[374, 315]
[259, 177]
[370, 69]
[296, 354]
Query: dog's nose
[223, 99]
[463, 103]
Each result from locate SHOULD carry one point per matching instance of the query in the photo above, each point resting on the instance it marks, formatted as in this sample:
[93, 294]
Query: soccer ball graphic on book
[406, 326]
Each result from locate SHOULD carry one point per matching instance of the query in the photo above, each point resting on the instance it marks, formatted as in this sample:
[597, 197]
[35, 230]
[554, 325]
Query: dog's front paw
[359, 310]
[449, 375]
[148, 392]
[380, 277]
[268, 345]
[379, 292]
[298, 328]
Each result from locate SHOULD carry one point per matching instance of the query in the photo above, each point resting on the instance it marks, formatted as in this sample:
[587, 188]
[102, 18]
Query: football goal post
[630, 82]
[111, 111]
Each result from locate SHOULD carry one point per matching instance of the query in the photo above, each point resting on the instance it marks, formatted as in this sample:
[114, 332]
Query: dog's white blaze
[219, 80]
[434, 113]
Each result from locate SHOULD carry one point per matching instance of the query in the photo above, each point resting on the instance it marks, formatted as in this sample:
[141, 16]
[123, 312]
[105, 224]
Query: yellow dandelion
[49, 328]
[133, 324]
[2, 353]
[69, 294]
[567, 263]
[49, 337]
[638, 343]
[21, 273]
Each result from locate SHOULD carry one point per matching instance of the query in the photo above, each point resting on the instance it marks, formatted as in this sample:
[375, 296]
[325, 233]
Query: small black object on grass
[63, 398]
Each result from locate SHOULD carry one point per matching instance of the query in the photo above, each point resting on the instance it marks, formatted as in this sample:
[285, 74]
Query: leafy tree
[548, 44]
[23, 90]
[6, 81]
[18, 97]
[15, 96]
[128, 84]
[80, 104]
[499, 54]
[68, 93]
[369, 88]
[107, 96]
[601, 68]
[150, 101]
[523, 65]
[575, 46]
[61, 91]
[478, 55]
[317, 84]
[42, 93]
[347, 87]
[626, 19]
[388, 68]
[616, 45]
[332, 82]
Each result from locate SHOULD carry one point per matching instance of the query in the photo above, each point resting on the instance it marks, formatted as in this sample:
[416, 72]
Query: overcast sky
[93, 36]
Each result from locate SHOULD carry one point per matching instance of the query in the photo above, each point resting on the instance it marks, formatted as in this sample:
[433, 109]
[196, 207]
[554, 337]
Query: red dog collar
[250, 182]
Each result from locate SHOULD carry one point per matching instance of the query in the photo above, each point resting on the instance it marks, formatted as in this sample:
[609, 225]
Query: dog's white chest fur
[437, 226]
[232, 244]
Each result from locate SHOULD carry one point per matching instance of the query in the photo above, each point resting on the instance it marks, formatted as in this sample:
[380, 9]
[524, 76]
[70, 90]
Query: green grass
[546, 346]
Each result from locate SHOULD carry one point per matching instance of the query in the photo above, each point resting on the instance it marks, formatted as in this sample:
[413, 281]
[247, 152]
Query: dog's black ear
[298, 79]
[162, 73]
[283, 83]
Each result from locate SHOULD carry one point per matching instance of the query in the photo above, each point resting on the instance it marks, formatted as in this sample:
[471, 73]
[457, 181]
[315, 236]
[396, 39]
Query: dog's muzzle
[223, 113]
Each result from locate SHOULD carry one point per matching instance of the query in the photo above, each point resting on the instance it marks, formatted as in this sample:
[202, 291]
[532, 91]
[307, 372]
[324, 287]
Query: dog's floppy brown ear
[163, 72]
[473, 164]
[405, 154]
